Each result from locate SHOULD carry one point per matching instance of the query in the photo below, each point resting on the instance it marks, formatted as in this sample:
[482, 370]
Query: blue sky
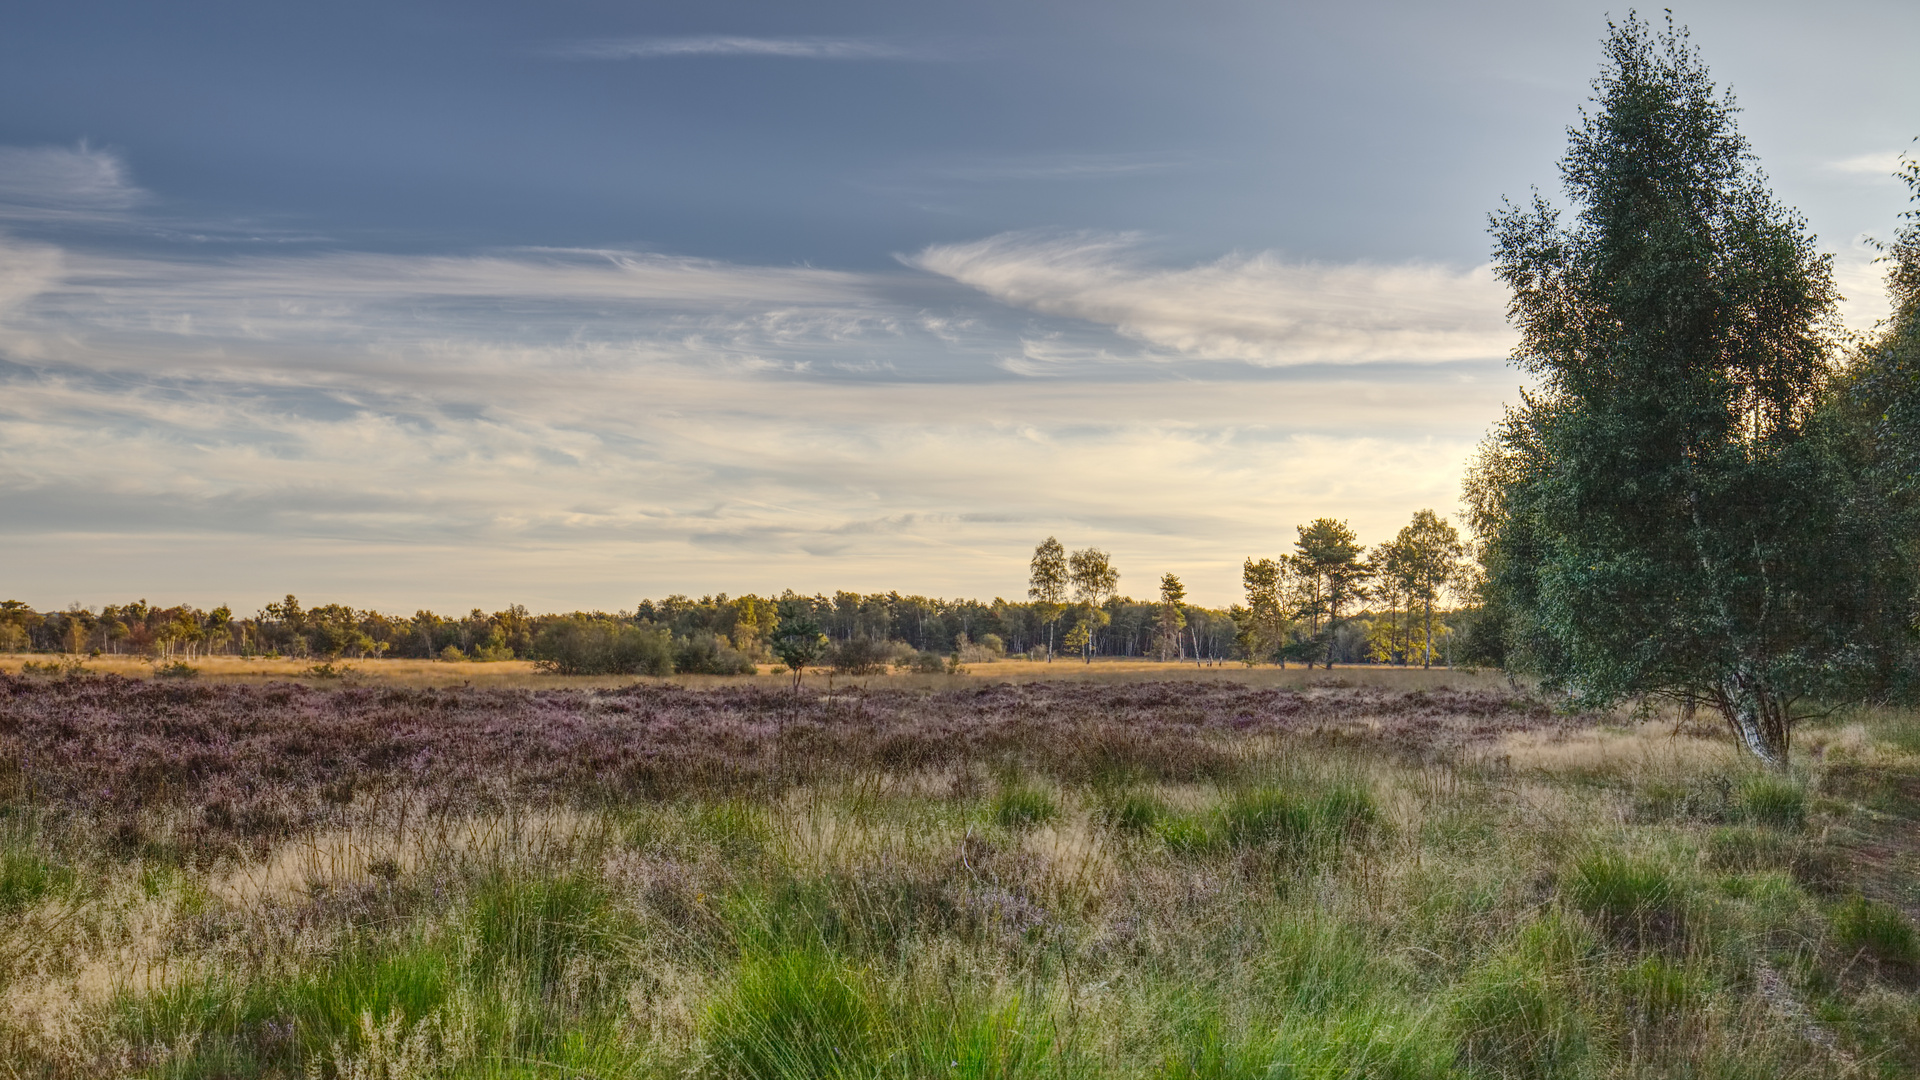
[414, 304]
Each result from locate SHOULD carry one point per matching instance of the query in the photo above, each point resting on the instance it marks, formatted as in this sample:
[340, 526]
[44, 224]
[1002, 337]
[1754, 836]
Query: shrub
[178, 669]
[703, 653]
[452, 654]
[599, 646]
[1023, 808]
[923, 663]
[861, 656]
[1876, 930]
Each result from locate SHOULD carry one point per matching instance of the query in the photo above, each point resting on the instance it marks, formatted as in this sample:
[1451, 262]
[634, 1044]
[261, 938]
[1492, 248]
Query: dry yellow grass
[523, 673]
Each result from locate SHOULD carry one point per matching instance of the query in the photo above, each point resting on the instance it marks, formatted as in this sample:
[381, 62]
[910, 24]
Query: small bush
[452, 655]
[1876, 930]
[1023, 808]
[599, 646]
[923, 663]
[178, 669]
[1772, 800]
[329, 670]
[704, 653]
[68, 668]
[861, 656]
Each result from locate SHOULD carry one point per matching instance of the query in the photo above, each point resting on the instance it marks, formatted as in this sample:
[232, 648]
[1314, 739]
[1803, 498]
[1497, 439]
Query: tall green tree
[1265, 621]
[1660, 516]
[1171, 619]
[1091, 573]
[1047, 585]
[1423, 562]
[1327, 560]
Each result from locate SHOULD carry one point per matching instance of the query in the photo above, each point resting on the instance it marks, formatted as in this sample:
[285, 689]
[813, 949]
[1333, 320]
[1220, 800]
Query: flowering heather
[269, 760]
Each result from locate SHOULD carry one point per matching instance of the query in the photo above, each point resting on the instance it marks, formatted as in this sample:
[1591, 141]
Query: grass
[1080, 880]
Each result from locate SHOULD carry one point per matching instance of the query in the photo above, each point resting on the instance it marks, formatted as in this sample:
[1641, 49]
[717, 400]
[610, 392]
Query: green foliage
[533, 924]
[861, 656]
[597, 646]
[1657, 989]
[704, 653]
[178, 669]
[1327, 565]
[798, 643]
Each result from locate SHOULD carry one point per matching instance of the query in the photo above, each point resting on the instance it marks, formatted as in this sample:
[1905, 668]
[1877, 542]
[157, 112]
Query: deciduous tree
[1047, 585]
[1663, 515]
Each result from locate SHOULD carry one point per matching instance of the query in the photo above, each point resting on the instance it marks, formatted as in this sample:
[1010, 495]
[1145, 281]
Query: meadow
[1130, 873]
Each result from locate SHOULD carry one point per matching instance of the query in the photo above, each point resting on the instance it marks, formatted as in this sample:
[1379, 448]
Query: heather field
[1165, 877]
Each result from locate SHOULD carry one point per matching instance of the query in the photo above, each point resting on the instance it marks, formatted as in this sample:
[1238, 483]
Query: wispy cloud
[1882, 164]
[64, 182]
[571, 422]
[1255, 309]
[791, 48]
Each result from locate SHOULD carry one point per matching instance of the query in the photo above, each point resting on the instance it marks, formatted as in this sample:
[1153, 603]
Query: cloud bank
[1255, 309]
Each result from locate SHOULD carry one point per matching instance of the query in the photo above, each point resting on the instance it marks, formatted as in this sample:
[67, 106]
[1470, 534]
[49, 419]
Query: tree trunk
[1429, 662]
[1758, 719]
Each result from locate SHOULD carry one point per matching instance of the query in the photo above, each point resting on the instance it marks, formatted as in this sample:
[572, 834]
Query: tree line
[1310, 606]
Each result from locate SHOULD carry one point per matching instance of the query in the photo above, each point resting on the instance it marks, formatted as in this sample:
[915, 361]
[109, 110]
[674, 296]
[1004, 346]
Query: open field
[524, 674]
[1213, 877]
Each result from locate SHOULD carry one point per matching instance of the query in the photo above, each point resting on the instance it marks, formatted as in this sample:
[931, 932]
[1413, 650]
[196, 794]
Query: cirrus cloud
[1257, 309]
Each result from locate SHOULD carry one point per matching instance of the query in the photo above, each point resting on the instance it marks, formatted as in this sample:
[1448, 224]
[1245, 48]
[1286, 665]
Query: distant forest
[1326, 602]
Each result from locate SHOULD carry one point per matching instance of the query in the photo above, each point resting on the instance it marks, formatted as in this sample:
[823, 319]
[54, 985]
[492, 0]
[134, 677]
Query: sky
[452, 305]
